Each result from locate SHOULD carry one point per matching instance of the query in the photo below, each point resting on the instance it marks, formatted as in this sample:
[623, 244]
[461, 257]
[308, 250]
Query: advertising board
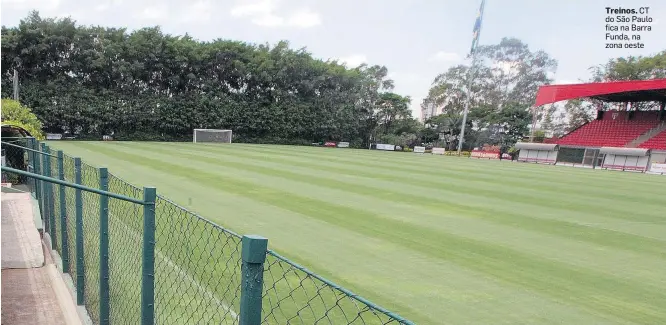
[389, 147]
[343, 144]
[419, 149]
[485, 154]
[438, 151]
[658, 168]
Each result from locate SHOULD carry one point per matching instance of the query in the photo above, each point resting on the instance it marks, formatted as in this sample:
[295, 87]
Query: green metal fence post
[148, 265]
[46, 196]
[50, 197]
[36, 165]
[31, 165]
[252, 272]
[64, 238]
[39, 185]
[104, 309]
[78, 197]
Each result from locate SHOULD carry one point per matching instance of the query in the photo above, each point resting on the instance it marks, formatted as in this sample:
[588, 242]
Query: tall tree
[579, 112]
[508, 74]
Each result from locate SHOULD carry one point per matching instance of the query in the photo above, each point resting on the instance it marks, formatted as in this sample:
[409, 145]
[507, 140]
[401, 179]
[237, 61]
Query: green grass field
[439, 240]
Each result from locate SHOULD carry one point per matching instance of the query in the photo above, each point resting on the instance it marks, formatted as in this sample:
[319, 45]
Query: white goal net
[212, 135]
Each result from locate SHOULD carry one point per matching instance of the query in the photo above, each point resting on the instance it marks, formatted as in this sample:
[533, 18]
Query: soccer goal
[212, 135]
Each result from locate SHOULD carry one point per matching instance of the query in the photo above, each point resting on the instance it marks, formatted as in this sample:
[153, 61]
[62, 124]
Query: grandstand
[624, 139]
[658, 142]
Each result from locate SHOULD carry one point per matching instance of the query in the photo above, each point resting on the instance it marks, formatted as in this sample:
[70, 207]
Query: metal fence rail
[139, 258]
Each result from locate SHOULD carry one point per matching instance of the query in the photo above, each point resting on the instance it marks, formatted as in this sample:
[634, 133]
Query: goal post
[212, 135]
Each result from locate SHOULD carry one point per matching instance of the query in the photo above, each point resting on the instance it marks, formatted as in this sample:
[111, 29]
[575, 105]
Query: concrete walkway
[33, 290]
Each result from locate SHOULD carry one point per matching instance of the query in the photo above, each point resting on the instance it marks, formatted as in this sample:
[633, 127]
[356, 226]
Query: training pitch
[439, 240]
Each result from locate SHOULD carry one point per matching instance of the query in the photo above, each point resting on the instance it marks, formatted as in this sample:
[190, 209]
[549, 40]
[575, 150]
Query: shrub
[13, 113]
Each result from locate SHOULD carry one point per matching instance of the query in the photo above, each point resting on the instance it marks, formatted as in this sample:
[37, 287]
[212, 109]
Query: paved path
[33, 291]
[21, 245]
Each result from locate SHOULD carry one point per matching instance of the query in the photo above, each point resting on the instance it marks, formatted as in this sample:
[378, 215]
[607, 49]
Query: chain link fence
[197, 268]
[200, 270]
[294, 295]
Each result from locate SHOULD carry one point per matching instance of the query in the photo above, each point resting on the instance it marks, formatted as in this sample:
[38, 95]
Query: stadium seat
[656, 142]
[611, 132]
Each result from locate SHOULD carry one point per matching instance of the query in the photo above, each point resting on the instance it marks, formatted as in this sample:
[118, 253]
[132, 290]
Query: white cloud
[442, 56]
[101, 7]
[354, 60]
[157, 12]
[200, 11]
[106, 5]
[254, 9]
[268, 20]
[304, 18]
[43, 5]
[406, 78]
[264, 13]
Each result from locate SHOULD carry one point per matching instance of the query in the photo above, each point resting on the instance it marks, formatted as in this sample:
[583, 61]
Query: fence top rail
[29, 149]
[73, 185]
[348, 293]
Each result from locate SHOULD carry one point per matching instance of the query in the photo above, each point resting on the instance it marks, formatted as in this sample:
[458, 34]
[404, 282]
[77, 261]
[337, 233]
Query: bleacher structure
[624, 139]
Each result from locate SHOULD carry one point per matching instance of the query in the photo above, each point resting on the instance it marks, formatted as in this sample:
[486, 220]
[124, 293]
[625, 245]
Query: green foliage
[579, 112]
[148, 85]
[13, 113]
[632, 68]
[507, 75]
[539, 136]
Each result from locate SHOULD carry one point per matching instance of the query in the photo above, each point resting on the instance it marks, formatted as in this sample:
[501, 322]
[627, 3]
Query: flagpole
[470, 78]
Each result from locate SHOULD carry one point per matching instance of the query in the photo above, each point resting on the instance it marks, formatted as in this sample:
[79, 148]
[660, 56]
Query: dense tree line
[148, 85]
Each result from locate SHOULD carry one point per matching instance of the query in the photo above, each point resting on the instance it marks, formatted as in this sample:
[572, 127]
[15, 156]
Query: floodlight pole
[467, 102]
[469, 82]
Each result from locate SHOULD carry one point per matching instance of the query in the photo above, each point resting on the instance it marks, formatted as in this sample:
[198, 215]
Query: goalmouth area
[433, 238]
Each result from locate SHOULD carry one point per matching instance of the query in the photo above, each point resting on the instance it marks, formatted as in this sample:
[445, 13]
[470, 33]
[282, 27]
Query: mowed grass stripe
[603, 294]
[543, 178]
[507, 173]
[600, 237]
[397, 160]
[575, 204]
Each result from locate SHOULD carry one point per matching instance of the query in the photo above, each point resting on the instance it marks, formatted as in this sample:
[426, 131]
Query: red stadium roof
[615, 91]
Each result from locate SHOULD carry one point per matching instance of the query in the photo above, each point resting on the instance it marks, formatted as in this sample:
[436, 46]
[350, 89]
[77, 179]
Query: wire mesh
[293, 295]
[70, 203]
[55, 213]
[197, 269]
[125, 251]
[90, 178]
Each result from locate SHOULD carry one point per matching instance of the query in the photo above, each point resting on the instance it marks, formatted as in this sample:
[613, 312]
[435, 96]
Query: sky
[415, 39]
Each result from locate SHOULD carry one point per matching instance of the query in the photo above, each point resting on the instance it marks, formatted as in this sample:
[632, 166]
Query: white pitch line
[182, 273]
